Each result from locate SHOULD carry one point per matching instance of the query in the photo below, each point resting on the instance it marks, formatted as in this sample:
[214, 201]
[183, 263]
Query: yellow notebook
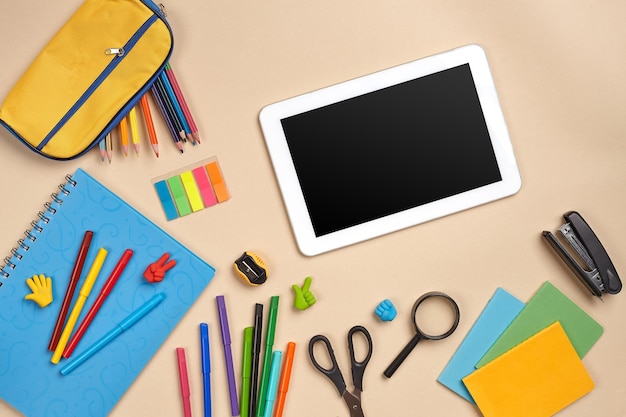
[538, 377]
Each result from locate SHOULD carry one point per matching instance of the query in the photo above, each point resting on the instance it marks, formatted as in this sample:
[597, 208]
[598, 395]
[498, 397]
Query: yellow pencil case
[88, 77]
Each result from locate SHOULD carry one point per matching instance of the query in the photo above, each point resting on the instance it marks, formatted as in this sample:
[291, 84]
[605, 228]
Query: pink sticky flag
[204, 185]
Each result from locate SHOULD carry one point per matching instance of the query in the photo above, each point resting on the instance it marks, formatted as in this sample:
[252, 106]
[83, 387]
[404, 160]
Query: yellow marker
[80, 302]
[134, 129]
[192, 191]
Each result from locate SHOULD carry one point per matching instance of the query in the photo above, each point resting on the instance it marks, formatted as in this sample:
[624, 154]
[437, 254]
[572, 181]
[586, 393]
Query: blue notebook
[28, 380]
[499, 312]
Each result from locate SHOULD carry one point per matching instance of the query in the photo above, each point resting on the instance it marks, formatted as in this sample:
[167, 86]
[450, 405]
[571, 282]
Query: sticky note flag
[179, 196]
[166, 200]
[538, 378]
[204, 185]
[217, 180]
[191, 189]
[193, 194]
[544, 308]
[499, 312]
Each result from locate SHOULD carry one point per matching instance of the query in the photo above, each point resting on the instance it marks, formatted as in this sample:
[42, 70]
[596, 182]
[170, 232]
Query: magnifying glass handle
[391, 369]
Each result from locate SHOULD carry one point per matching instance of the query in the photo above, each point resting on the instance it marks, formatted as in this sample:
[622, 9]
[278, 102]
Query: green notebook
[544, 308]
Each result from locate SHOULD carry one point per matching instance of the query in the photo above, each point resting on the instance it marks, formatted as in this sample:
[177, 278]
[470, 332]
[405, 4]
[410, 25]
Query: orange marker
[285, 377]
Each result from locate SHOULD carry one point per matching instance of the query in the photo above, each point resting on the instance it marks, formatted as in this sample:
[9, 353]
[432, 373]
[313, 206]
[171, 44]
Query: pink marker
[184, 381]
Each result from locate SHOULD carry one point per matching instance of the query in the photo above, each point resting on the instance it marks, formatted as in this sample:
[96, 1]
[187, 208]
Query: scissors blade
[353, 402]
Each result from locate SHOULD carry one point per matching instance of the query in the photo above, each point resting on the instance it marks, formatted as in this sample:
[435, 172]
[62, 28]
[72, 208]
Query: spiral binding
[37, 227]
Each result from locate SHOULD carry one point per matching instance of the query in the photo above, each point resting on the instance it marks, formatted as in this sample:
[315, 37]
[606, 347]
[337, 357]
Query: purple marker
[228, 354]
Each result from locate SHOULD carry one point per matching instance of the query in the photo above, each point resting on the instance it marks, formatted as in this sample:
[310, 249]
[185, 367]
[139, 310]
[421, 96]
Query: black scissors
[352, 399]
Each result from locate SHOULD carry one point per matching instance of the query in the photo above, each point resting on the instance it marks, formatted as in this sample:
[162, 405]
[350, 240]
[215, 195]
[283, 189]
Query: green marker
[246, 371]
[267, 355]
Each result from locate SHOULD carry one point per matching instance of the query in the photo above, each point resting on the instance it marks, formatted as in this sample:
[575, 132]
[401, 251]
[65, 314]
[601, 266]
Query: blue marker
[206, 367]
[128, 322]
[272, 385]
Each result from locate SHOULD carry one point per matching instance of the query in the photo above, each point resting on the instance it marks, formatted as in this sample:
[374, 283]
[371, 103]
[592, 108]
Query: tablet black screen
[392, 149]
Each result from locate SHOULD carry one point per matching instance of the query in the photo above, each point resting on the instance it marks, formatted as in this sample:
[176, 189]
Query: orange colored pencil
[147, 116]
[124, 135]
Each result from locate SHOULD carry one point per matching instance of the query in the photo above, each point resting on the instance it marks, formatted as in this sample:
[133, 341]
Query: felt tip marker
[272, 383]
[206, 367]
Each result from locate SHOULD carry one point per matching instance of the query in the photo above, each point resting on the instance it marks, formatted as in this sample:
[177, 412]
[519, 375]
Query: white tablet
[389, 150]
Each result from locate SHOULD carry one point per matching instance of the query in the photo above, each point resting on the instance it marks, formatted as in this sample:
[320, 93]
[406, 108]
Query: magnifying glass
[421, 334]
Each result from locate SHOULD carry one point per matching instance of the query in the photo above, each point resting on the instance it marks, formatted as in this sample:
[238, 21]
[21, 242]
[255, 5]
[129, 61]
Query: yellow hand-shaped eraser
[41, 287]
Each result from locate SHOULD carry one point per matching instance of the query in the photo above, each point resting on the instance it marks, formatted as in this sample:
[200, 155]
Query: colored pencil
[147, 117]
[109, 146]
[169, 107]
[176, 105]
[103, 149]
[168, 122]
[134, 129]
[183, 103]
[124, 134]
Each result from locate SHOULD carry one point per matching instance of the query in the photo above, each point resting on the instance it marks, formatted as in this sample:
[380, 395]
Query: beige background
[559, 69]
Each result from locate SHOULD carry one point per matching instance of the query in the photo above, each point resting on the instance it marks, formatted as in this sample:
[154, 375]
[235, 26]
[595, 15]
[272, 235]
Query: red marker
[106, 289]
[69, 294]
[183, 378]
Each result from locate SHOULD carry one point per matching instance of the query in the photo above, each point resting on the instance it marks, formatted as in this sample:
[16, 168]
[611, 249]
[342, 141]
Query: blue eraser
[386, 311]
[499, 312]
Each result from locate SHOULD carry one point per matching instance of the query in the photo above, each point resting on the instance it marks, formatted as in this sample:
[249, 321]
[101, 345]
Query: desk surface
[559, 70]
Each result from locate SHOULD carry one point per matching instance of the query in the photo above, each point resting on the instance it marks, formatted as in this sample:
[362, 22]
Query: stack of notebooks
[524, 359]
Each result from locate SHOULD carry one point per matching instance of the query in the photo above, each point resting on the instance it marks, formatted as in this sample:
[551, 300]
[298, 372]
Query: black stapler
[597, 272]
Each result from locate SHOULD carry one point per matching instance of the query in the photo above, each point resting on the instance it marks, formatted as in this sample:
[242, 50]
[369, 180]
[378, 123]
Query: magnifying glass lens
[435, 316]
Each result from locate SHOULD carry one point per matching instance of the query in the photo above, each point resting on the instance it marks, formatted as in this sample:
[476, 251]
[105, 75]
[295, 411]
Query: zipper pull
[114, 51]
[163, 11]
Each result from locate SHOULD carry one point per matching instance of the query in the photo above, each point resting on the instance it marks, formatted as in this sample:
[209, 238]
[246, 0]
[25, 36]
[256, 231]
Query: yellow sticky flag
[191, 189]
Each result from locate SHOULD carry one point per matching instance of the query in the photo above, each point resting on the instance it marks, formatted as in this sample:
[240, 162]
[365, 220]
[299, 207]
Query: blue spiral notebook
[28, 380]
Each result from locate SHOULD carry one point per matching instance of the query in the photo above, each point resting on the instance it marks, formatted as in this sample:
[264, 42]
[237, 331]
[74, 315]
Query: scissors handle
[358, 367]
[333, 373]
